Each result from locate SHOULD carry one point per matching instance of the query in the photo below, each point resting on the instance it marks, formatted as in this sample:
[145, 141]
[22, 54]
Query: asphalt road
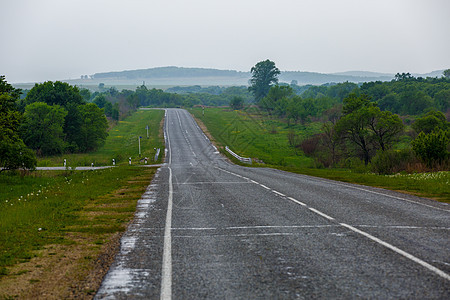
[208, 229]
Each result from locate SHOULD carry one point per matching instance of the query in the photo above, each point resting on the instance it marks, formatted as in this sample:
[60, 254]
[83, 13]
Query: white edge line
[374, 192]
[166, 272]
[399, 251]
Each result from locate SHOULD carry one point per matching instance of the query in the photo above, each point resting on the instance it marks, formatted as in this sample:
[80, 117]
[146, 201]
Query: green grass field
[79, 210]
[122, 143]
[251, 134]
[255, 135]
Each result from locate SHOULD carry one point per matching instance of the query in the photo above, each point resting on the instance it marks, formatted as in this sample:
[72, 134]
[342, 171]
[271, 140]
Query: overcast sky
[62, 39]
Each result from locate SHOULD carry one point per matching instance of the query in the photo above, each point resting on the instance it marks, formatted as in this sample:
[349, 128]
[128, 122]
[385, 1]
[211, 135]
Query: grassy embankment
[250, 134]
[59, 229]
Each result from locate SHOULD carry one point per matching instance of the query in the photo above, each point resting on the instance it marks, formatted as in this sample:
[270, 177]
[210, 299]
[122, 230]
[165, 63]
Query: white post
[139, 146]
[64, 162]
[129, 161]
[114, 162]
[147, 130]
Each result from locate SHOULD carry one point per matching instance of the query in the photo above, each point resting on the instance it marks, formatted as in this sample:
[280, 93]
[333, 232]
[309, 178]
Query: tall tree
[13, 152]
[368, 128]
[446, 73]
[59, 93]
[432, 120]
[94, 126]
[264, 75]
[385, 127]
[42, 128]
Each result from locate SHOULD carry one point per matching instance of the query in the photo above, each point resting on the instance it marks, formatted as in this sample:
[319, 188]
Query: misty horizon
[42, 41]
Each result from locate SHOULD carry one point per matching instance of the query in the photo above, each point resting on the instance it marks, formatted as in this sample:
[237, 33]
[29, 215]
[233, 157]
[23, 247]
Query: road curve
[208, 229]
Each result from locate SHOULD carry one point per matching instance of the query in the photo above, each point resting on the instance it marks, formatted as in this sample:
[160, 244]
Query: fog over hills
[165, 77]
[185, 76]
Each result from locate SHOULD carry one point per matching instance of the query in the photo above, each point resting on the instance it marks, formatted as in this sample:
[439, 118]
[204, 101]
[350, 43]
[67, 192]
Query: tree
[433, 119]
[277, 99]
[100, 100]
[94, 126]
[442, 99]
[446, 73]
[330, 140]
[264, 75]
[115, 114]
[57, 93]
[385, 127]
[42, 128]
[237, 103]
[367, 127]
[432, 147]
[353, 127]
[13, 152]
[86, 94]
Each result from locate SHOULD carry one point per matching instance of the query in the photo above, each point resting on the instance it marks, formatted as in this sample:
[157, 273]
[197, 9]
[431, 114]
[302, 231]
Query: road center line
[371, 237]
[399, 251]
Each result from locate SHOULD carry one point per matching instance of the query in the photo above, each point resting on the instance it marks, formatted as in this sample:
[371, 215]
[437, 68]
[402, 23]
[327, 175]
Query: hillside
[165, 77]
[177, 75]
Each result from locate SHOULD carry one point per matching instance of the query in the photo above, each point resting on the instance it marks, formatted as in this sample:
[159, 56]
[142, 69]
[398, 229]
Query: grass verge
[60, 228]
[250, 134]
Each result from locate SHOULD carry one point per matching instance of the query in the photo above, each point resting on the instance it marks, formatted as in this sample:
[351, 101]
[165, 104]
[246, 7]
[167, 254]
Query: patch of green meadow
[122, 142]
[46, 207]
[52, 205]
[252, 133]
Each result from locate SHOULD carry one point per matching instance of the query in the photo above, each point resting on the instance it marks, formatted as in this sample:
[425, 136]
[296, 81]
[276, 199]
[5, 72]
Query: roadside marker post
[129, 161]
[146, 127]
[140, 145]
[114, 162]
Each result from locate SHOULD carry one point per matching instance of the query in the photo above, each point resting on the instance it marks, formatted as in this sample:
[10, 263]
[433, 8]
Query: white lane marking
[238, 235]
[210, 182]
[320, 213]
[166, 274]
[262, 185]
[278, 193]
[378, 193]
[296, 201]
[375, 239]
[166, 133]
[254, 227]
[399, 251]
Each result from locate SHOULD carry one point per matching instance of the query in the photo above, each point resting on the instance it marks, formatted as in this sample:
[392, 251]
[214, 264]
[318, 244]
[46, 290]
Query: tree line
[53, 118]
[362, 122]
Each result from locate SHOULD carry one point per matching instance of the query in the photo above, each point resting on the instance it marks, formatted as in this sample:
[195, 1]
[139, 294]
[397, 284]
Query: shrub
[432, 148]
[392, 161]
[310, 145]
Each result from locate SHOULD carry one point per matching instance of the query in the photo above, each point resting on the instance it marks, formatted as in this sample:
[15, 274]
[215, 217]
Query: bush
[310, 145]
[392, 161]
[432, 148]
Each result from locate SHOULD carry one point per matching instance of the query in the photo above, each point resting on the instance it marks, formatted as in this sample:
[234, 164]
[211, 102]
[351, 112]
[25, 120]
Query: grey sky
[61, 39]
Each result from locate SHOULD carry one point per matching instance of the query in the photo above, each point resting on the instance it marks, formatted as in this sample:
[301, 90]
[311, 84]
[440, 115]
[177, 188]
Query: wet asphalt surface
[259, 233]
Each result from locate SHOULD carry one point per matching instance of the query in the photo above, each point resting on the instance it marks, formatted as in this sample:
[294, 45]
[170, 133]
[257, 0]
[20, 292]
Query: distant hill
[171, 72]
[172, 76]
